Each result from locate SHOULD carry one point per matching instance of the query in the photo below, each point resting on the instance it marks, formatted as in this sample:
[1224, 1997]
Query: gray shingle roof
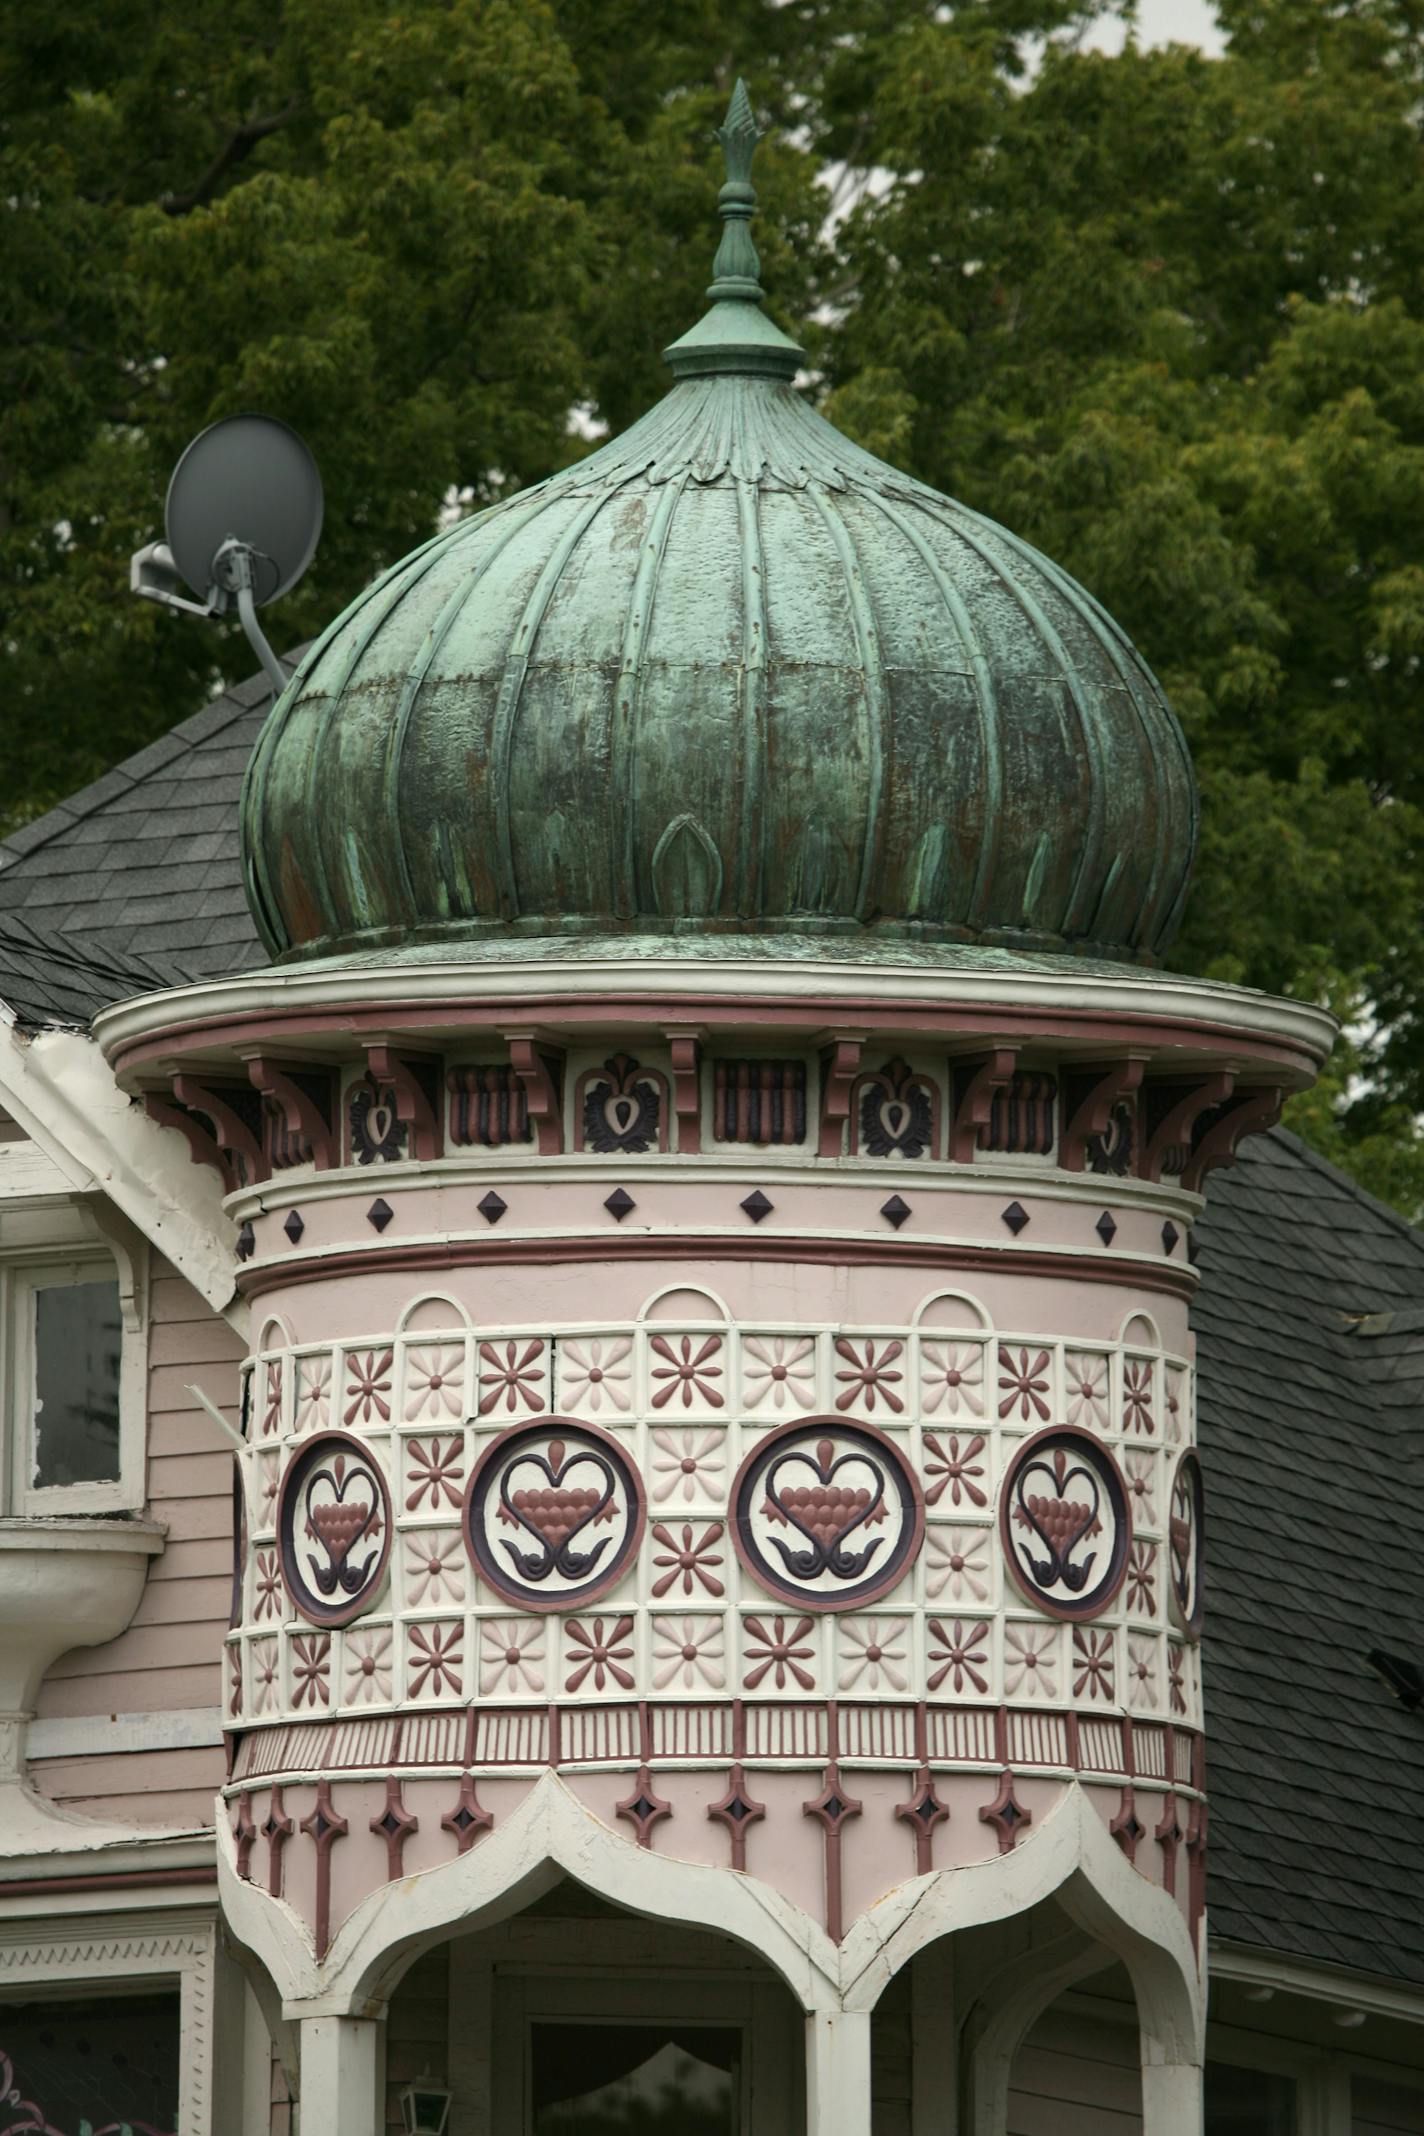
[1310, 1326]
[60, 978]
[144, 863]
[1310, 1332]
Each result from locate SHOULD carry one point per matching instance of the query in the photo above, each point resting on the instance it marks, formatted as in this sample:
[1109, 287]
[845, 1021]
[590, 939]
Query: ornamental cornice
[937, 998]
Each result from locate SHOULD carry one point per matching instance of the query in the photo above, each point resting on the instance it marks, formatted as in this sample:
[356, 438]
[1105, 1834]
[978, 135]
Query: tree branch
[235, 149]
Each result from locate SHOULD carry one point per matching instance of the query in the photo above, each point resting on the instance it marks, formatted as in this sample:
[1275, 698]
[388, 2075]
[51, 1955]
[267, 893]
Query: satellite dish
[250, 479]
[243, 516]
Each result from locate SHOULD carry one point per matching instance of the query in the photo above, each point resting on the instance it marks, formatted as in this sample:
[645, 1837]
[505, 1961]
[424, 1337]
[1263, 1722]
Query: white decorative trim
[179, 1947]
[549, 1834]
[934, 1429]
[101, 1735]
[585, 974]
[793, 1165]
[59, 1088]
[1338, 1986]
[1069, 1858]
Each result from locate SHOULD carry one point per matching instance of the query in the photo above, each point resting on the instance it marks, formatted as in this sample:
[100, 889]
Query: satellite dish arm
[234, 569]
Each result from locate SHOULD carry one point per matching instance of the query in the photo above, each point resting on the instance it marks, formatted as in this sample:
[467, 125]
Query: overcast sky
[1167, 22]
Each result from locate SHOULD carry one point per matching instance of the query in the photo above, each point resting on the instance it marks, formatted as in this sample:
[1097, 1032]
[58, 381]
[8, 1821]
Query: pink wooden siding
[170, 1657]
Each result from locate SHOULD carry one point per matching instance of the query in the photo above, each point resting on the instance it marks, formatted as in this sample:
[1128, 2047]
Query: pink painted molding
[1169, 1279]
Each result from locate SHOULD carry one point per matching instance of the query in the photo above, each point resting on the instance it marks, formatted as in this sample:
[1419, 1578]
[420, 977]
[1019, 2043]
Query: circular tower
[713, 1162]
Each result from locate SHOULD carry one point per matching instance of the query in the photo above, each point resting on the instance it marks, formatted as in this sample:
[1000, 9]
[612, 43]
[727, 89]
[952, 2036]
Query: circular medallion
[1185, 1528]
[333, 1528]
[553, 1513]
[1064, 1522]
[826, 1514]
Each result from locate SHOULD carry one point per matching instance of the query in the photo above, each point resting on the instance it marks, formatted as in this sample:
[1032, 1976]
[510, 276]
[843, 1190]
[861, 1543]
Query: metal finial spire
[735, 337]
[736, 270]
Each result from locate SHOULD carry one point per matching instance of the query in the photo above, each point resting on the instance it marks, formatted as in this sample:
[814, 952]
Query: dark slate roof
[59, 978]
[1310, 1331]
[144, 863]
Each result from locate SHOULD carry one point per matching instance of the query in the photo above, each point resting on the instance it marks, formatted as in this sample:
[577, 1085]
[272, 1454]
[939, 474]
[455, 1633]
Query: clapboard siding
[170, 1656]
[417, 2028]
[1076, 2076]
[164, 1788]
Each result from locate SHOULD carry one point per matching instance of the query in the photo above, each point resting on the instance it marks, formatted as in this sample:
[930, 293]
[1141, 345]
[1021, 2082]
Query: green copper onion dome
[730, 674]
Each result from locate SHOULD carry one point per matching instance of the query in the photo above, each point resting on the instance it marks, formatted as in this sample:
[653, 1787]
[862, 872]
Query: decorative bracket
[130, 1251]
[541, 1073]
[202, 1147]
[975, 1086]
[685, 1044]
[307, 1123]
[1090, 1095]
[1172, 1110]
[1252, 1112]
[416, 1084]
[232, 1133]
[840, 1065]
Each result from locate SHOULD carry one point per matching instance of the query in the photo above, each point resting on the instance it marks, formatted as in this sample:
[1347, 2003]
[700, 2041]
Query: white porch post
[837, 2073]
[339, 2077]
[1171, 2098]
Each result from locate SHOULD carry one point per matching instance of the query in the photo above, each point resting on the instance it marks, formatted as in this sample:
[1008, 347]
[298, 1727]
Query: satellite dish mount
[243, 516]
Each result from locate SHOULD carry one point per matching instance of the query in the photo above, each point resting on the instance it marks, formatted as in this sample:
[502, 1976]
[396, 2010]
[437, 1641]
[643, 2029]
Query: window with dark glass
[635, 2080]
[1248, 2102]
[102, 2065]
[76, 1337]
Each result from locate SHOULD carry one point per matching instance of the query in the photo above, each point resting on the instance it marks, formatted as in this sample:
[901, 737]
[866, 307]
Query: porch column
[837, 2073]
[339, 2061]
[1171, 2098]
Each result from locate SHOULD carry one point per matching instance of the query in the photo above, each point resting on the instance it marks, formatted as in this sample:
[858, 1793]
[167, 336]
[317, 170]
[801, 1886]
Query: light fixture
[425, 2108]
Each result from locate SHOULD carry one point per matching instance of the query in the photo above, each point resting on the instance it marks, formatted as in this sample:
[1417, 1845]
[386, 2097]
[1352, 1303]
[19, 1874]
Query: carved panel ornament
[1184, 1542]
[554, 1513]
[333, 1528]
[826, 1514]
[1065, 1524]
[378, 1134]
[622, 1108]
[896, 1112]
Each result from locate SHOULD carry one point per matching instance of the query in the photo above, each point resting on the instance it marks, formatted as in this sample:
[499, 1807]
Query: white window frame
[100, 1955]
[87, 1256]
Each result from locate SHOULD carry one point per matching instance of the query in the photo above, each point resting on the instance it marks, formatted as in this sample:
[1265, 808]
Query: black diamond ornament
[1106, 1228]
[895, 1211]
[379, 1214]
[1170, 1236]
[294, 1227]
[492, 1208]
[1016, 1217]
[619, 1203]
[756, 1205]
[246, 1243]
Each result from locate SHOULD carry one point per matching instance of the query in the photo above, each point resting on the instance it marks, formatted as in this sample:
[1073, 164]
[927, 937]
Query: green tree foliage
[1163, 315]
